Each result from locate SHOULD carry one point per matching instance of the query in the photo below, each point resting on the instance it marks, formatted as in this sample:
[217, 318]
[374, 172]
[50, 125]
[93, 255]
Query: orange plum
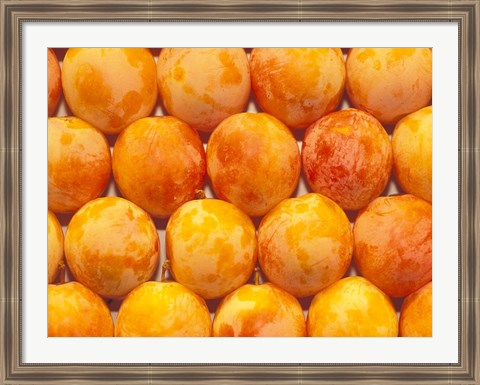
[305, 244]
[412, 153]
[416, 313]
[393, 243]
[55, 246]
[112, 246]
[253, 161]
[352, 307]
[389, 83]
[159, 163]
[298, 85]
[203, 86]
[109, 87]
[211, 246]
[76, 311]
[163, 309]
[79, 163]
[259, 311]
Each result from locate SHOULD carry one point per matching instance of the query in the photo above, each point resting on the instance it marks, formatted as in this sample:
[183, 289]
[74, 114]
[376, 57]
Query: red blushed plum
[393, 244]
[347, 156]
[253, 161]
[259, 311]
[54, 82]
[159, 163]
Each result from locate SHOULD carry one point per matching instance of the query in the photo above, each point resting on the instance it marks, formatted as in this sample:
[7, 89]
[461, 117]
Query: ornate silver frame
[466, 13]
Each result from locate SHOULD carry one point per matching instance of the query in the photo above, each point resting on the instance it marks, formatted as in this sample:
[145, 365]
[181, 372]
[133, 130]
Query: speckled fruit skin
[298, 85]
[253, 161]
[79, 163]
[112, 246]
[203, 86]
[352, 307]
[259, 311]
[212, 247]
[163, 309]
[158, 163]
[416, 313]
[55, 246]
[389, 83]
[54, 82]
[305, 244]
[109, 87]
[76, 311]
[347, 156]
[393, 243]
[412, 153]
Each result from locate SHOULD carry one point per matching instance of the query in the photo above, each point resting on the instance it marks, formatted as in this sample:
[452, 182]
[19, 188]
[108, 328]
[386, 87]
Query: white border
[441, 348]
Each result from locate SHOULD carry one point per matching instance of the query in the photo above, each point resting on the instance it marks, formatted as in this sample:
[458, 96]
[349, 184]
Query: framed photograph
[447, 32]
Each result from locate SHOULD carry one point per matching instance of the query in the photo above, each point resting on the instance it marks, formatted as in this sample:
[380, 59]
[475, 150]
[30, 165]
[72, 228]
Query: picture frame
[466, 13]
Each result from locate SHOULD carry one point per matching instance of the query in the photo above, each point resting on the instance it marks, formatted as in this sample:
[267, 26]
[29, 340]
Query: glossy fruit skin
[76, 311]
[79, 163]
[54, 82]
[393, 243]
[203, 86]
[347, 156]
[163, 309]
[352, 307]
[389, 83]
[109, 87]
[298, 85]
[412, 153]
[416, 313]
[112, 246]
[159, 163]
[55, 246]
[259, 311]
[211, 246]
[253, 161]
[305, 244]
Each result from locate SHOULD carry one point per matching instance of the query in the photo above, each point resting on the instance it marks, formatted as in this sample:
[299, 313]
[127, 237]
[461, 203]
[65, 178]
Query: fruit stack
[240, 192]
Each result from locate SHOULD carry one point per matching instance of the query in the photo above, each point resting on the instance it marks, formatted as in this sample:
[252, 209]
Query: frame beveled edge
[13, 13]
